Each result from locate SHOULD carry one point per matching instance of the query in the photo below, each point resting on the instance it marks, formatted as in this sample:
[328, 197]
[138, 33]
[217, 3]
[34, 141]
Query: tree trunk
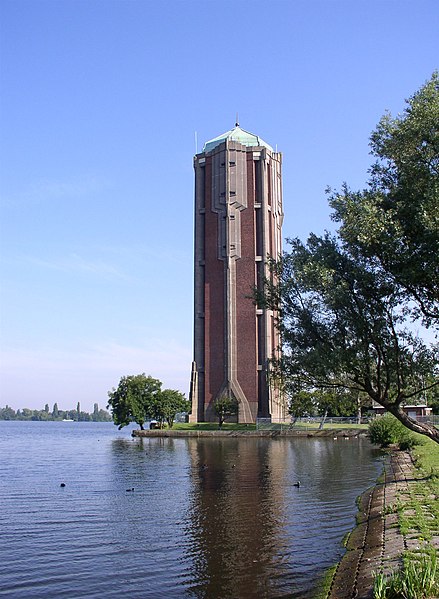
[418, 427]
[323, 419]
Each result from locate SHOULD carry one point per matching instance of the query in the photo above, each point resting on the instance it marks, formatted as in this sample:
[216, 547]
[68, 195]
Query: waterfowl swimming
[296, 484]
[62, 484]
[129, 490]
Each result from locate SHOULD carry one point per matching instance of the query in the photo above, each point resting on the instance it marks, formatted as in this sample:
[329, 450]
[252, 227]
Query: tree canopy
[224, 407]
[394, 223]
[167, 404]
[345, 302]
[139, 398]
[133, 400]
[98, 415]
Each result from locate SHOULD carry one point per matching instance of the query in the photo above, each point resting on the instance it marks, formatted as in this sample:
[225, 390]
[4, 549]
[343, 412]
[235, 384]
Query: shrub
[386, 430]
[408, 441]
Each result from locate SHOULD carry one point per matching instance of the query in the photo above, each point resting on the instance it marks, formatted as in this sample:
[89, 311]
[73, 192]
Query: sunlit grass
[230, 426]
[426, 457]
[212, 426]
[419, 578]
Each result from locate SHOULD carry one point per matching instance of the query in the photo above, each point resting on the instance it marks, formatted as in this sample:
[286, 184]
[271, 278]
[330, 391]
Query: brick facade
[238, 220]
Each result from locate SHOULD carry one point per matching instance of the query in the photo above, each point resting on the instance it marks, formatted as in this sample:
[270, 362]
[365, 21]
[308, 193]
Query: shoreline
[347, 433]
[376, 544]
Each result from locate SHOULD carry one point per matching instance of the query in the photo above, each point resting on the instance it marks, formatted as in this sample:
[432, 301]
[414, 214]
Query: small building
[414, 411]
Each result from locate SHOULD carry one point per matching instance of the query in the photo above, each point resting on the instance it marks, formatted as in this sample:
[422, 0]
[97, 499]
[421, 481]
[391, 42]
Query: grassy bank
[212, 426]
[426, 456]
[312, 426]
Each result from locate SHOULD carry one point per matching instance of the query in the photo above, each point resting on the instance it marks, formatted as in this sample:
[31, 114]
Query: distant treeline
[97, 415]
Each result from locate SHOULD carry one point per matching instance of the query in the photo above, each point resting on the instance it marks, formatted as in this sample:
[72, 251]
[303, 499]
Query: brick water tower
[238, 227]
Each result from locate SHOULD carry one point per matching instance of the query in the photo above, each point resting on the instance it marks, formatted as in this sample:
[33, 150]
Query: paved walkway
[376, 544]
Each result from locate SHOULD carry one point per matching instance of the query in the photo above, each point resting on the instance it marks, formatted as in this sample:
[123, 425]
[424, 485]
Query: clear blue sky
[100, 102]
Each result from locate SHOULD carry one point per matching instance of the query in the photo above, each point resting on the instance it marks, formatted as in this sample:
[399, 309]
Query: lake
[208, 518]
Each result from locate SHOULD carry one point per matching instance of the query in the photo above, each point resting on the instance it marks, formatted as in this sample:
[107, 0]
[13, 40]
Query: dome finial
[237, 121]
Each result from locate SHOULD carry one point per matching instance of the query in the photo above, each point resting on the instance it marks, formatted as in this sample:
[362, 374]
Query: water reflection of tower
[238, 220]
[236, 513]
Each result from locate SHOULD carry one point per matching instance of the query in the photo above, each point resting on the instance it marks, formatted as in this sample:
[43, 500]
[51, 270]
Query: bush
[408, 442]
[387, 430]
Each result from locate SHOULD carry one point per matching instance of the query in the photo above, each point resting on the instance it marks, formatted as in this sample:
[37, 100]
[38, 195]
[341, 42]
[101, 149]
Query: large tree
[167, 404]
[133, 400]
[344, 328]
[395, 221]
[346, 303]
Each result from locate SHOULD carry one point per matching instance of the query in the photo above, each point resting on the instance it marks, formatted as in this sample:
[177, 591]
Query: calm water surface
[208, 518]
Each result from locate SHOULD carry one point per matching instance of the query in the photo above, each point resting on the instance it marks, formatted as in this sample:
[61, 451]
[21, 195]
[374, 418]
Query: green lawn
[426, 456]
[212, 426]
[328, 425]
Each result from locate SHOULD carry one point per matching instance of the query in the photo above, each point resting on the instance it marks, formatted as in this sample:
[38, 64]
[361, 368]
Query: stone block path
[376, 545]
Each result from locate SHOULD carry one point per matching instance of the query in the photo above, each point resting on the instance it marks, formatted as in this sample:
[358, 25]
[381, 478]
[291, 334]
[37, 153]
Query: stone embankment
[243, 433]
[377, 545]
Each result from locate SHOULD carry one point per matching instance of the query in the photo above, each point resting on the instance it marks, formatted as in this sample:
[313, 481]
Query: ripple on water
[238, 528]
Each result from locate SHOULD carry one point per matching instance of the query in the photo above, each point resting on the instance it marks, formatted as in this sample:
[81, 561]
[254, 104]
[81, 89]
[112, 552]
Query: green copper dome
[236, 134]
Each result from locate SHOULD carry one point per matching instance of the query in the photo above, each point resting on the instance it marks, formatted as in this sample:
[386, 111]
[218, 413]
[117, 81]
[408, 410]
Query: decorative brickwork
[238, 221]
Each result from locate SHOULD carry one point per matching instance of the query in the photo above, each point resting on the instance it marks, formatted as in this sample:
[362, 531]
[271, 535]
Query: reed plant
[419, 578]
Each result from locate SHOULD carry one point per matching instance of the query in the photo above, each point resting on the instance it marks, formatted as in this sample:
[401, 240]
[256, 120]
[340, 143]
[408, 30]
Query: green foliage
[418, 515]
[8, 413]
[387, 430]
[224, 407]
[167, 404]
[432, 399]
[134, 399]
[408, 442]
[139, 398]
[419, 579]
[395, 222]
[333, 403]
[344, 329]
[301, 404]
[344, 301]
[427, 460]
